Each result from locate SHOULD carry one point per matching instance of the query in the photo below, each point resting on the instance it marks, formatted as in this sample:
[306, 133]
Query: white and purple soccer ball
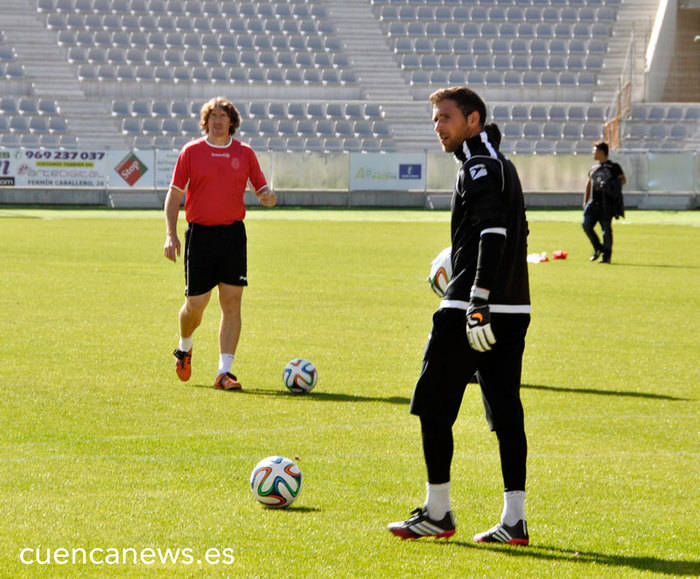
[300, 376]
[275, 482]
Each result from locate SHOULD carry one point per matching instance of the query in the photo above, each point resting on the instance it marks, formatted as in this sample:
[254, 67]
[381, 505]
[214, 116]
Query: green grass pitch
[104, 450]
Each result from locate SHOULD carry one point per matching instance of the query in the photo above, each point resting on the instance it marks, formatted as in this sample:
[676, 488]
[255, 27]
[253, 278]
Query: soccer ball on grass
[275, 482]
[300, 376]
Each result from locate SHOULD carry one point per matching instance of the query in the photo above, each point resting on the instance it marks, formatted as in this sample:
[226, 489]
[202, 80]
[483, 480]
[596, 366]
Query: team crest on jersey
[235, 163]
[478, 171]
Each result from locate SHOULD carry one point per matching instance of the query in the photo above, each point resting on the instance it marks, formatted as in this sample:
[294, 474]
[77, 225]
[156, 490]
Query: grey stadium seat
[179, 109]
[9, 139]
[592, 131]
[335, 110]
[373, 111]
[171, 126]
[571, 131]
[325, 128]
[131, 125]
[344, 129]
[333, 145]
[306, 128]
[49, 141]
[678, 132]
[287, 128]
[297, 110]
[552, 131]
[316, 110]
[190, 127]
[29, 140]
[278, 110]
[314, 145]
[352, 144]
[363, 129]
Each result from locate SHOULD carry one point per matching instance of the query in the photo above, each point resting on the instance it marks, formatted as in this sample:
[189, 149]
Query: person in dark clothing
[602, 201]
[481, 323]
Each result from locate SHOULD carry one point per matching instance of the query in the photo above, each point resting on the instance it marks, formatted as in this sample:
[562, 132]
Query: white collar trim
[230, 140]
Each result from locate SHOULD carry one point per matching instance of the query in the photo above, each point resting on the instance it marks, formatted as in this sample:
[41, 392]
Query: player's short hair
[602, 146]
[221, 103]
[467, 100]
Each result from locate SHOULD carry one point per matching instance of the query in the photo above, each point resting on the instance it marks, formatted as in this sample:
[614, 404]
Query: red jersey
[215, 179]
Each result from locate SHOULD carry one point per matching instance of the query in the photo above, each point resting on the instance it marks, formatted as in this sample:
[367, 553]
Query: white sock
[437, 500]
[225, 363]
[185, 344]
[513, 507]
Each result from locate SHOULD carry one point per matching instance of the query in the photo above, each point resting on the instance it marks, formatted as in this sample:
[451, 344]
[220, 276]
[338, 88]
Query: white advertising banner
[53, 168]
[131, 169]
[165, 165]
[387, 172]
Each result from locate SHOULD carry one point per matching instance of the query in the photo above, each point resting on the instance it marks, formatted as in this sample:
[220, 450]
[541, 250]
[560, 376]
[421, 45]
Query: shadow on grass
[342, 397]
[311, 396]
[605, 392]
[329, 396]
[549, 553]
[294, 509]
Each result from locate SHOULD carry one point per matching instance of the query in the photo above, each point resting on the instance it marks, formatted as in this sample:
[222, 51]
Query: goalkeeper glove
[479, 332]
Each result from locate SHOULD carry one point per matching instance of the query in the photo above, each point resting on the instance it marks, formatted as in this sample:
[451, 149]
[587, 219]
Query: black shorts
[214, 254]
[449, 362]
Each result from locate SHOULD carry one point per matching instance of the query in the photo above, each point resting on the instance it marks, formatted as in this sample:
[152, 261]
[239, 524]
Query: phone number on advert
[66, 155]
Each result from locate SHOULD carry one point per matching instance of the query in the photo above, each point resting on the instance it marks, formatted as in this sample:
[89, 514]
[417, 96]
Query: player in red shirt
[214, 172]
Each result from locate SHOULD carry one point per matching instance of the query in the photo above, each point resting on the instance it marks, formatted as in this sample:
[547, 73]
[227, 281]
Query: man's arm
[171, 248]
[620, 174]
[587, 194]
[491, 245]
[490, 211]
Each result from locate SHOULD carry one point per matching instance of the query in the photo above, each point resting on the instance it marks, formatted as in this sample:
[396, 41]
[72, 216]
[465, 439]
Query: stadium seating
[178, 43]
[143, 56]
[291, 121]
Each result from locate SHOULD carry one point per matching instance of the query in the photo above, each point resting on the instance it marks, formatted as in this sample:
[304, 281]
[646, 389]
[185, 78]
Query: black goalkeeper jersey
[488, 198]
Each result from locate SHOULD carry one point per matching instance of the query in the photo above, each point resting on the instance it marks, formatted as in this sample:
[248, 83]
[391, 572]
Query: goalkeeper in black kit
[480, 325]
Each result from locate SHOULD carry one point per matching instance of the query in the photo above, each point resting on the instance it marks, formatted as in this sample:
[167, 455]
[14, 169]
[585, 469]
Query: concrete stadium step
[373, 61]
[367, 50]
[635, 19]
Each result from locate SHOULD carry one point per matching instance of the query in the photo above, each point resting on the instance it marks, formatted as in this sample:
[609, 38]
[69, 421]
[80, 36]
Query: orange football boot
[227, 381]
[183, 365]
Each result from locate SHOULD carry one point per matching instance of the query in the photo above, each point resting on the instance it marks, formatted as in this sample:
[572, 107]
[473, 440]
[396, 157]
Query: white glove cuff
[479, 293]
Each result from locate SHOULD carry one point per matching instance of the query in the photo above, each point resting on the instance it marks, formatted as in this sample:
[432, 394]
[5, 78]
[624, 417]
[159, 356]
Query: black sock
[512, 445]
[438, 446]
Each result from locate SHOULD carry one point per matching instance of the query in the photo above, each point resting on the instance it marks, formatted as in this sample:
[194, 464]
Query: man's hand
[171, 248]
[267, 198]
[479, 332]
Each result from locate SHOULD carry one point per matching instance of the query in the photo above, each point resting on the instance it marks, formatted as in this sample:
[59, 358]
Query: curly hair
[224, 104]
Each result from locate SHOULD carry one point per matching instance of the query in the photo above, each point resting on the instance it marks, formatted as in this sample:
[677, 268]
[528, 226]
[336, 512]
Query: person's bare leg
[230, 297]
[190, 317]
[191, 313]
[229, 332]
